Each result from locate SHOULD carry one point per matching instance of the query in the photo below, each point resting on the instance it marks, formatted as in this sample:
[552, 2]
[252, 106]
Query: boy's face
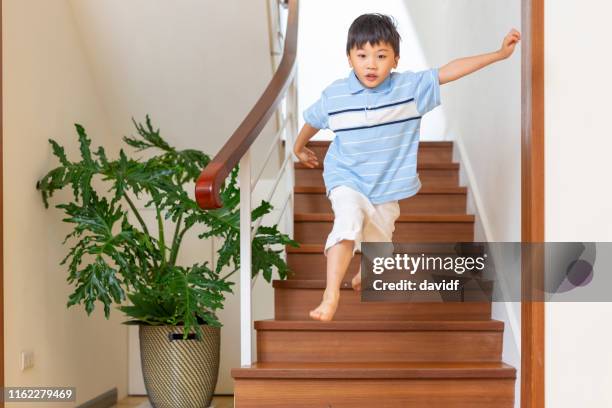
[373, 63]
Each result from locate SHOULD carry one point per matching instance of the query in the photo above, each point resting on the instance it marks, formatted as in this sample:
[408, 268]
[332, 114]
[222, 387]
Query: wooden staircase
[410, 354]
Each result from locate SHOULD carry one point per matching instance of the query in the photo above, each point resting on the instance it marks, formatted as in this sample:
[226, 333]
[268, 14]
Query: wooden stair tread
[423, 190]
[318, 248]
[420, 166]
[422, 143]
[352, 370]
[378, 325]
[297, 217]
[321, 284]
[306, 249]
[304, 284]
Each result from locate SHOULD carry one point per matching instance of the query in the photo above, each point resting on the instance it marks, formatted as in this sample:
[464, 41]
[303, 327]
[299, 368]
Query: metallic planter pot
[179, 373]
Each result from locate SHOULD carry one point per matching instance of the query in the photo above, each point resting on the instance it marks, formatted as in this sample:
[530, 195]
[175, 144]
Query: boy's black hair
[373, 28]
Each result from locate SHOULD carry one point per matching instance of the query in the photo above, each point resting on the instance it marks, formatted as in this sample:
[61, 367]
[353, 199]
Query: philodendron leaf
[114, 259]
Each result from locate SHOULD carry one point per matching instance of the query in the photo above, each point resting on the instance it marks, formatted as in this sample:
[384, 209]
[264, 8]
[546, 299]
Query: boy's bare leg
[338, 258]
[356, 281]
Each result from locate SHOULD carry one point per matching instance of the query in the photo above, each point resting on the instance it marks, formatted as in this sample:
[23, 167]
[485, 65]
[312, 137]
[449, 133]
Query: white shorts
[357, 219]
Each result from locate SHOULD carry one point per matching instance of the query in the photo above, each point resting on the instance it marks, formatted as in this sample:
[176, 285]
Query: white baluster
[244, 177]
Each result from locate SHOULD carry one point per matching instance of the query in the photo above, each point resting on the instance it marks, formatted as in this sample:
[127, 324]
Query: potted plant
[115, 259]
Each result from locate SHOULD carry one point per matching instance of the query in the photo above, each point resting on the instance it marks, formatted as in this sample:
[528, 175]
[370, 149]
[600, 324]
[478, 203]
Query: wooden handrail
[212, 177]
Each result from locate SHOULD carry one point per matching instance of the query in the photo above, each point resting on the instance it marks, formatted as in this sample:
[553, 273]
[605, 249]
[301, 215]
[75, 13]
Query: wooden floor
[143, 402]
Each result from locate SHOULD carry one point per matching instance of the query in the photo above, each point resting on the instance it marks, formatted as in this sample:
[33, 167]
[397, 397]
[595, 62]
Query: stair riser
[380, 393]
[418, 204]
[295, 304]
[428, 177]
[315, 232]
[313, 266]
[363, 346]
[427, 154]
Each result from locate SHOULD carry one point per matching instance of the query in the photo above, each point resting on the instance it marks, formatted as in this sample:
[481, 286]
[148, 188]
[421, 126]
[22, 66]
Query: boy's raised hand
[509, 43]
[463, 66]
[307, 157]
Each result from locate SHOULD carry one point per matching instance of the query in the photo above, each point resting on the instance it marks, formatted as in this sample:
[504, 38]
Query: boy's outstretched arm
[464, 66]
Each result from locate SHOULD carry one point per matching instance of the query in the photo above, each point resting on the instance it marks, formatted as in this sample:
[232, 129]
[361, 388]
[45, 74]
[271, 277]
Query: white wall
[483, 109]
[578, 146]
[197, 67]
[48, 87]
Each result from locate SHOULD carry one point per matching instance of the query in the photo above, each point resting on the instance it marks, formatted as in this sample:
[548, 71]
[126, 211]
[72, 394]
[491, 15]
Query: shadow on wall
[483, 109]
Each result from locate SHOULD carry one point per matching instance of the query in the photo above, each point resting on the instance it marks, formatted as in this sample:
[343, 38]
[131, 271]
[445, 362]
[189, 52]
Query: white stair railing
[286, 133]
[279, 100]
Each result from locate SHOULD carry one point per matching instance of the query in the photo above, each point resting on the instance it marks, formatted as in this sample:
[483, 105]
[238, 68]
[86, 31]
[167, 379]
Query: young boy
[371, 163]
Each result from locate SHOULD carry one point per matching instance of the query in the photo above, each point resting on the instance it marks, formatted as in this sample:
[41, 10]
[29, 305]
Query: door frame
[1, 213]
[532, 201]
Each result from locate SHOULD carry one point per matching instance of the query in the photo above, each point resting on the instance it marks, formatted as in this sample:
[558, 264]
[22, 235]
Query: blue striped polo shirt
[377, 132]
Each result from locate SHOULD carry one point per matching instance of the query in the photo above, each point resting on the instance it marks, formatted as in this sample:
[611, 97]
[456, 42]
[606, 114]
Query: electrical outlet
[27, 360]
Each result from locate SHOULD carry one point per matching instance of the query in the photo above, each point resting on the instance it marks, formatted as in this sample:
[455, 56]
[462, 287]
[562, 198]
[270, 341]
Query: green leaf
[113, 262]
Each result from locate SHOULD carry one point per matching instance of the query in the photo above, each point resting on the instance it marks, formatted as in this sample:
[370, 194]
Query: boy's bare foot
[356, 281]
[326, 310]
